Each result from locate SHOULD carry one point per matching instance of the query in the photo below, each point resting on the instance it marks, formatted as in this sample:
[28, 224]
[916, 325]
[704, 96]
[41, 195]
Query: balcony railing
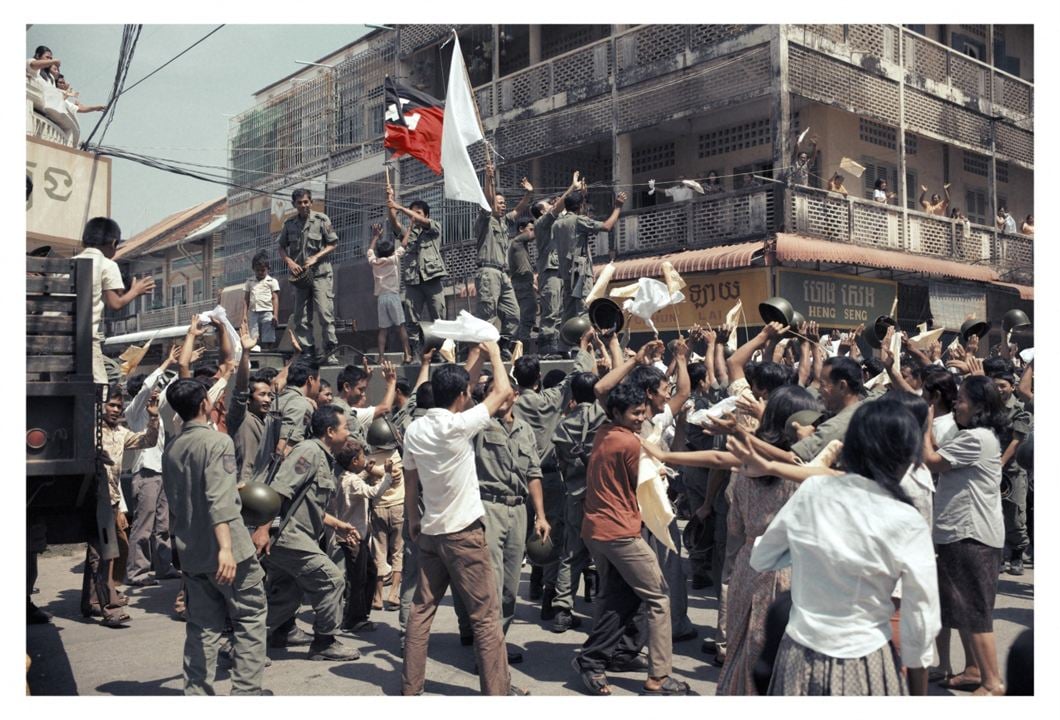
[704, 221]
[48, 117]
[828, 215]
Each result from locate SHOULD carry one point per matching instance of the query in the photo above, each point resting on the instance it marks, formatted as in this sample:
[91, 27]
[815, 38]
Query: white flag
[460, 128]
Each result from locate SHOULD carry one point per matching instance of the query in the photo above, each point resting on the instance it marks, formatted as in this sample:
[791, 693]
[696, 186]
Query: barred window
[878, 133]
[976, 164]
[1002, 172]
[732, 139]
[653, 157]
[910, 144]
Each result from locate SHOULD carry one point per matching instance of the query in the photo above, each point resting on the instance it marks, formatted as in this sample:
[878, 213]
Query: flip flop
[669, 687]
[595, 682]
[115, 621]
[962, 683]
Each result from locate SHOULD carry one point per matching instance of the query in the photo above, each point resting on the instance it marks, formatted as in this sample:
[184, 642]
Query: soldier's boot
[328, 647]
[289, 635]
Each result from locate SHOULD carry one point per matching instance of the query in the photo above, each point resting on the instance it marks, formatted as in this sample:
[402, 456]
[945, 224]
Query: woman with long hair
[969, 530]
[849, 539]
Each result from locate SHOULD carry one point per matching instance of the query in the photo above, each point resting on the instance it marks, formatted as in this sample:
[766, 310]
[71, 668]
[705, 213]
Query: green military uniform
[506, 462]
[296, 410]
[573, 441]
[1019, 424]
[549, 284]
[571, 235]
[355, 425]
[523, 284]
[301, 239]
[199, 475]
[247, 439]
[496, 296]
[422, 270]
[541, 410]
[296, 564]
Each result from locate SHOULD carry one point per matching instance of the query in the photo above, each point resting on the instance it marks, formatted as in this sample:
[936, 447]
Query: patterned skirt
[802, 671]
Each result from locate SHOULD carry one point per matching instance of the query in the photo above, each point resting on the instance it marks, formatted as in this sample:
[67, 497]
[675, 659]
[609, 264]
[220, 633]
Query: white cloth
[220, 313]
[651, 297]
[438, 446]
[466, 328]
[716, 411]
[655, 508]
[105, 276]
[460, 128]
[848, 541]
[261, 292]
[678, 193]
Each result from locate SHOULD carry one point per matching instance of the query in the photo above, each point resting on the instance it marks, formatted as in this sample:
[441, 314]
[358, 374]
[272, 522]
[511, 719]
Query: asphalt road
[74, 656]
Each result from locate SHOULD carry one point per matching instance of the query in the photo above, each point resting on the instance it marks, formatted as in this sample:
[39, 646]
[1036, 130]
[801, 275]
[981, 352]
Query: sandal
[669, 687]
[960, 682]
[939, 675]
[518, 691]
[595, 682]
[116, 620]
[984, 690]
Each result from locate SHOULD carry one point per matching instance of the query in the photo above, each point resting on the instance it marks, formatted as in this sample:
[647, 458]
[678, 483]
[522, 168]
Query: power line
[175, 57]
[129, 37]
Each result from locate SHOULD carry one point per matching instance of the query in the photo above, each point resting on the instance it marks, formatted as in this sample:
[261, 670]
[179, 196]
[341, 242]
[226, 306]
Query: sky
[183, 112]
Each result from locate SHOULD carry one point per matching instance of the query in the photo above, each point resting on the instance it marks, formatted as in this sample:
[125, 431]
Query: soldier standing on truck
[100, 238]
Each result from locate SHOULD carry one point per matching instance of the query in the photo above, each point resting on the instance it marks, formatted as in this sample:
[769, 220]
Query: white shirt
[879, 195]
[136, 419]
[848, 542]
[679, 193]
[438, 446]
[944, 428]
[105, 276]
[261, 292]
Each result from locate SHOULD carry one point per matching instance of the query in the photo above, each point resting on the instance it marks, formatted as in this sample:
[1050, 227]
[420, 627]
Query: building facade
[919, 106]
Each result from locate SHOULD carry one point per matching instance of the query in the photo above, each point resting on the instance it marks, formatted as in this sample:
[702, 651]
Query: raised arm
[743, 354]
[720, 366]
[392, 210]
[502, 386]
[620, 200]
[524, 201]
[684, 384]
[195, 331]
[489, 187]
[622, 368]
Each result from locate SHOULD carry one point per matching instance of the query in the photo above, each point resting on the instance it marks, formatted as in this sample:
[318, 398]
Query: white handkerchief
[219, 313]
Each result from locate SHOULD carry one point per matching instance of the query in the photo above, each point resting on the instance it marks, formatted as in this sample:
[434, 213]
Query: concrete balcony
[48, 116]
[704, 221]
[819, 213]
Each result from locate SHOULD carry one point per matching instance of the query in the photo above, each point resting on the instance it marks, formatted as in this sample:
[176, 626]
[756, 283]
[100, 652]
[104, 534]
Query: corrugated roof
[724, 257]
[145, 240]
[799, 248]
[1026, 291]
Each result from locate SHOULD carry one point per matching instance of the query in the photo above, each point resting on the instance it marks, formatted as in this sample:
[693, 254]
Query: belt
[509, 500]
[495, 266]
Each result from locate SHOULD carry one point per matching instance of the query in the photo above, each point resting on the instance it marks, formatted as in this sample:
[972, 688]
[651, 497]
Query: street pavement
[75, 656]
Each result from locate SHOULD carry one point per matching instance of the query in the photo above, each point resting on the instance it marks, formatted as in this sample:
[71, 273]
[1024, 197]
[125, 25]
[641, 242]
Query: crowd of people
[847, 510]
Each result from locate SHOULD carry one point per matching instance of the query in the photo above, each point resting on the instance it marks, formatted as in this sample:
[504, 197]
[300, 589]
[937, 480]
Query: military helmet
[260, 503]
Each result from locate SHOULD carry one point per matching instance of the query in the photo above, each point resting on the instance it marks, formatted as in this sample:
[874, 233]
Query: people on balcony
[679, 192]
[1005, 221]
[880, 193]
[937, 206]
[42, 65]
[956, 214]
[712, 184]
[800, 164]
[835, 184]
[73, 99]
[1027, 228]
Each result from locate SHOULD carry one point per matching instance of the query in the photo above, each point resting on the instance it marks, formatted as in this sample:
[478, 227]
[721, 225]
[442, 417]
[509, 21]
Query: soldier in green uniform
[305, 241]
[1018, 425]
[523, 281]
[295, 403]
[509, 475]
[571, 235]
[549, 282]
[296, 565]
[423, 267]
[222, 576]
[573, 442]
[541, 410]
[496, 296]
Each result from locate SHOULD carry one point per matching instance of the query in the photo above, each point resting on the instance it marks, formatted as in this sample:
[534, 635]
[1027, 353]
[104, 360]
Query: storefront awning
[724, 257]
[1026, 291]
[799, 248]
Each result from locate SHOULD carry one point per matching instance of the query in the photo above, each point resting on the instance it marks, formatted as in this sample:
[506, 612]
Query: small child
[100, 238]
[386, 264]
[263, 302]
[326, 394]
[351, 505]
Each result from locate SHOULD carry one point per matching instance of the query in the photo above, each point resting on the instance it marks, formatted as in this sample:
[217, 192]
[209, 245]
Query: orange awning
[724, 257]
[799, 248]
[1026, 291]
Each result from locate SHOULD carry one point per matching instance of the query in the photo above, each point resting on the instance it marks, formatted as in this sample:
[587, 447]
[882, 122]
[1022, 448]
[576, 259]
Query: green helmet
[261, 504]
